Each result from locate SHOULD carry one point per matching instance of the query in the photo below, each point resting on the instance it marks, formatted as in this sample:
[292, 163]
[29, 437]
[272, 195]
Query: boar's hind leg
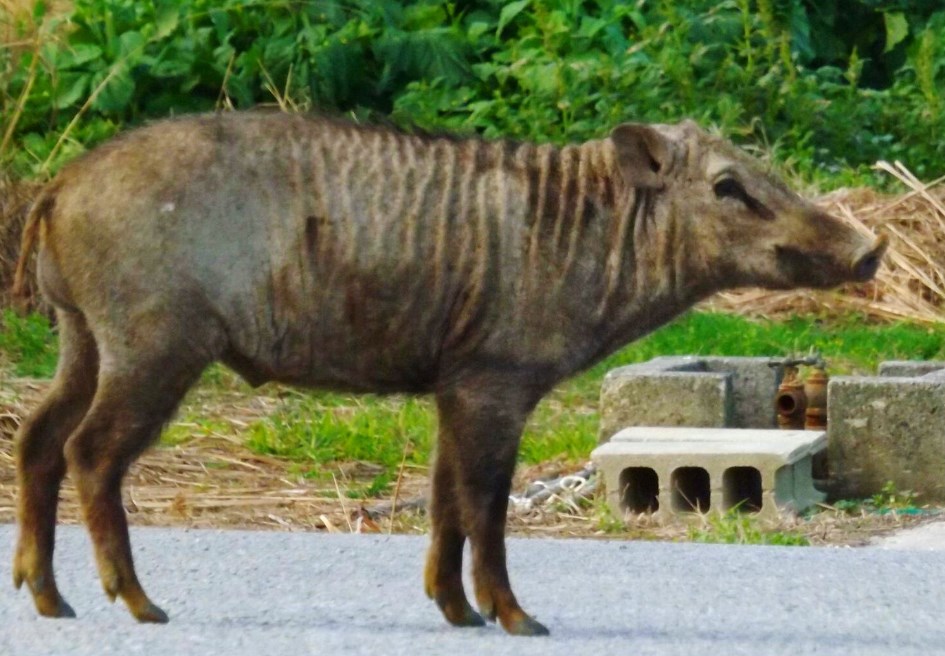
[481, 428]
[137, 393]
[40, 464]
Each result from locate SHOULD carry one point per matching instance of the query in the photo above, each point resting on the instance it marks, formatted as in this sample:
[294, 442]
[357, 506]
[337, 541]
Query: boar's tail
[41, 209]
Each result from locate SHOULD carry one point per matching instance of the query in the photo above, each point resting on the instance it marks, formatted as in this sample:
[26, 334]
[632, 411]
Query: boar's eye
[732, 188]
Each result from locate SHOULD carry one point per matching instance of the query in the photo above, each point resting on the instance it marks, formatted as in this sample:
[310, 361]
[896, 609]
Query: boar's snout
[831, 264]
[866, 265]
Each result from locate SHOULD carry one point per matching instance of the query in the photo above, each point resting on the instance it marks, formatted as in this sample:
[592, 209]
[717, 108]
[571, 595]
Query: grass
[29, 344]
[318, 429]
[734, 527]
[324, 428]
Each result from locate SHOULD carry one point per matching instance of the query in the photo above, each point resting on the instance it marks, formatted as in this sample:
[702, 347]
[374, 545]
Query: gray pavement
[235, 593]
[926, 537]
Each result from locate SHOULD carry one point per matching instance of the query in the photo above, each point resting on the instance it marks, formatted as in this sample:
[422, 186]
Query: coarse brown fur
[328, 254]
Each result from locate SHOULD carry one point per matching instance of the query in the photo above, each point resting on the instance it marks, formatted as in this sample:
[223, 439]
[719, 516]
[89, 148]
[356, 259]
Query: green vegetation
[29, 344]
[828, 87]
[318, 429]
[888, 500]
[734, 527]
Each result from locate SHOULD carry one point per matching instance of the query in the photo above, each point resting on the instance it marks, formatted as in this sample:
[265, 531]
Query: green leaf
[131, 44]
[800, 32]
[71, 87]
[477, 29]
[897, 29]
[166, 20]
[509, 12]
[590, 27]
[80, 53]
[117, 92]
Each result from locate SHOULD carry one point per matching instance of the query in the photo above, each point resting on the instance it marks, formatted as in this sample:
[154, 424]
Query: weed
[187, 428]
[604, 518]
[830, 86]
[736, 527]
[378, 486]
[890, 499]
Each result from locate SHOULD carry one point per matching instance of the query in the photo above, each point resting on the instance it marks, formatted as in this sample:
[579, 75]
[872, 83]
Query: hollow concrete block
[671, 471]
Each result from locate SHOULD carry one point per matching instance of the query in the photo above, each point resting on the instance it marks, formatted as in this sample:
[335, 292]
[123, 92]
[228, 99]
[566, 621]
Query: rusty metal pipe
[815, 389]
[791, 401]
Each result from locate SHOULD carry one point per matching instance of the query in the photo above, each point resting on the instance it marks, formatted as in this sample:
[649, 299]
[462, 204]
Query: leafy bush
[828, 86]
[770, 75]
[110, 62]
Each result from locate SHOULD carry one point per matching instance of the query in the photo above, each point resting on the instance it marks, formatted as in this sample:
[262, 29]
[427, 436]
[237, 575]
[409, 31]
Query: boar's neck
[604, 263]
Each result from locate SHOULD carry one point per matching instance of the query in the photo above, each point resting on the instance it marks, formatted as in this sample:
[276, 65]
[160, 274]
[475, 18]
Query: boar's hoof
[149, 613]
[48, 601]
[54, 608]
[525, 626]
[460, 615]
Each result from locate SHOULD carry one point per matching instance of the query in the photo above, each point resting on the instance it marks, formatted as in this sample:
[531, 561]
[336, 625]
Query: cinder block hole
[690, 487]
[641, 489]
[741, 489]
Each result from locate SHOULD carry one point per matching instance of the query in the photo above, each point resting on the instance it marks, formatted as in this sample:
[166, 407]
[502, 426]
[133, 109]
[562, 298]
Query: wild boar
[314, 251]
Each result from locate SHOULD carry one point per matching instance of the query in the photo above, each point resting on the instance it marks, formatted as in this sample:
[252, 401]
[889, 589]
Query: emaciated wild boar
[322, 253]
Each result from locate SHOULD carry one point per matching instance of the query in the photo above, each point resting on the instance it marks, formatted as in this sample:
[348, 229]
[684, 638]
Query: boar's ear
[644, 154]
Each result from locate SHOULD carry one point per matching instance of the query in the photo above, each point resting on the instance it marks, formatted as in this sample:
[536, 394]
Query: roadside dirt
[211, 479]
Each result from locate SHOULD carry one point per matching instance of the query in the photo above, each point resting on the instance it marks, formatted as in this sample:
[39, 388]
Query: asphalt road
[262, 593]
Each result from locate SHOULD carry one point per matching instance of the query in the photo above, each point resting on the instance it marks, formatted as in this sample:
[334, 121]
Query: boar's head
[744, 226]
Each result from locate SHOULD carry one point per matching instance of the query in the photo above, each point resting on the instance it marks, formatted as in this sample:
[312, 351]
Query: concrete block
[910, 368]
[754, 384]
[665, 399]
[669, 471]
[689, 391]
[887, 429]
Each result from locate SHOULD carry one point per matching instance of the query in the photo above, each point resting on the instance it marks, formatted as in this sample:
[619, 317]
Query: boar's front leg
[481, 422]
